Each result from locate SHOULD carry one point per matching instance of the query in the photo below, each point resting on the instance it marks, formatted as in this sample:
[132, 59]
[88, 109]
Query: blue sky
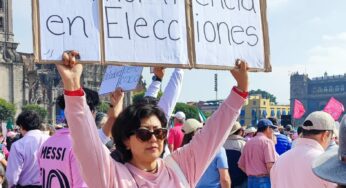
[306, 36]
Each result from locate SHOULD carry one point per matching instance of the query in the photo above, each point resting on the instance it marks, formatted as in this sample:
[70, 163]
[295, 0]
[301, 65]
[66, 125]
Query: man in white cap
[293, 169]
[331, 166]
[176, 135]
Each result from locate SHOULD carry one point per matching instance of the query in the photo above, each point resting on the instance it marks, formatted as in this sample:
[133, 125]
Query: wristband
[243, 94]
[155, 78]
[78, 92]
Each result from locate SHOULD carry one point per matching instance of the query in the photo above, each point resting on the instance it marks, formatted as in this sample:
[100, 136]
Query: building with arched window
[314, 93]
[24, 82]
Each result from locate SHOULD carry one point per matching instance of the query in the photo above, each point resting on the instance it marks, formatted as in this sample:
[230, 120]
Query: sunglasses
[145, 134]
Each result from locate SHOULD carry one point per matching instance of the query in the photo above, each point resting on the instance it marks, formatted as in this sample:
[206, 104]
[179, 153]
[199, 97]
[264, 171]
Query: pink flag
[334, 108]
[299, 109]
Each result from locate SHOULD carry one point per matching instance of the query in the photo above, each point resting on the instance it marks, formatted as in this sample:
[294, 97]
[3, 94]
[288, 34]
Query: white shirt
[22, 166]
[171, 94]
[294, 168]
[104, 139]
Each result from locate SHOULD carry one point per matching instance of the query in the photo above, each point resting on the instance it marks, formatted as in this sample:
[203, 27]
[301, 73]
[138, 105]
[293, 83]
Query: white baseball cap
[250, 130]
[319, 120]
[180, 115]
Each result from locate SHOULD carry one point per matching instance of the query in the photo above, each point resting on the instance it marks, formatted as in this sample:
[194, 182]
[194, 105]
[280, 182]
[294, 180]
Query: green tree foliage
[42, 112]
[264, 94]
[190, 111]
[208, 114]
[7, 110]
[103, 107]
[138, 96]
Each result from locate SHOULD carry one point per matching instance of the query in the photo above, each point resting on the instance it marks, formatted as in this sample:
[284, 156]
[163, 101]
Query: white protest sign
[69, 25]
[125, 77]
[226, 30]
[151, 32]
[205, 34]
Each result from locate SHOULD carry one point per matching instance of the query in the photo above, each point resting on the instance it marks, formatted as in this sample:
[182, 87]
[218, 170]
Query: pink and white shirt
[100, 170]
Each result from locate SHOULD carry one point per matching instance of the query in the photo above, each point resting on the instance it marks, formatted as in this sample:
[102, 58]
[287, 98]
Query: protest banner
[148, 32]
[225, 30]
[126, 77]
[60, 25]
[207, 34]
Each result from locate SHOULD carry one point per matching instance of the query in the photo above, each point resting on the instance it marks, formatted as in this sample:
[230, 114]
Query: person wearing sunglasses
[139, 133]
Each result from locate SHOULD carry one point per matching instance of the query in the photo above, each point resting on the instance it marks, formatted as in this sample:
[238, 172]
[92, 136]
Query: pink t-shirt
[100, 170]
[176, 136]
[256, 153]
[59, 167]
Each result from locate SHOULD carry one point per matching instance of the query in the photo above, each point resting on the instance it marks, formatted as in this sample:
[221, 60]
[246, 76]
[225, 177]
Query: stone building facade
[12, 86]
[314, 93]
[24, 82]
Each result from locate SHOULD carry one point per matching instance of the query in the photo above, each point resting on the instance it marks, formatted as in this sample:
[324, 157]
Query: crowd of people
[135, 146]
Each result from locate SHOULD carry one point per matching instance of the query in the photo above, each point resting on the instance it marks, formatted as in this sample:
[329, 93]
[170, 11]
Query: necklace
[154, 170]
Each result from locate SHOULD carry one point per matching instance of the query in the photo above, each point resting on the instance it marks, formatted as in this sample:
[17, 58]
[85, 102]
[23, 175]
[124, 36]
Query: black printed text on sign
[69, 25]
[225, 30]
[145, 31]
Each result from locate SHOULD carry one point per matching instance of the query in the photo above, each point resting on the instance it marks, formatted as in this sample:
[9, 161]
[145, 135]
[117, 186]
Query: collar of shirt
[62, 131]
[33, 132]
[178, 125]
[309, 143]
[260, 134]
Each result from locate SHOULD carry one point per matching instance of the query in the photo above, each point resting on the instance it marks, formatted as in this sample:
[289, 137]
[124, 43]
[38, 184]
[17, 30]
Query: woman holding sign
[139, 132]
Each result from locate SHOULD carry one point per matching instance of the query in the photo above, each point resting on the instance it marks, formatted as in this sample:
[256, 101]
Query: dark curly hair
[29, 120]
[92, 98]
[127, 122]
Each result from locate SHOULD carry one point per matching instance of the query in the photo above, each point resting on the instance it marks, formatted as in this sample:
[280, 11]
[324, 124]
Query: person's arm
[269, 166]
[116, 96]
[154, 88]
[171, 147]
[242, 168]
[270, 156]
[225, 179]
[241, 161]
[4, 162]
[195, 157]
[15, 166]
[96, 164]
[222, 165]
[170, 140]
[172, 92]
